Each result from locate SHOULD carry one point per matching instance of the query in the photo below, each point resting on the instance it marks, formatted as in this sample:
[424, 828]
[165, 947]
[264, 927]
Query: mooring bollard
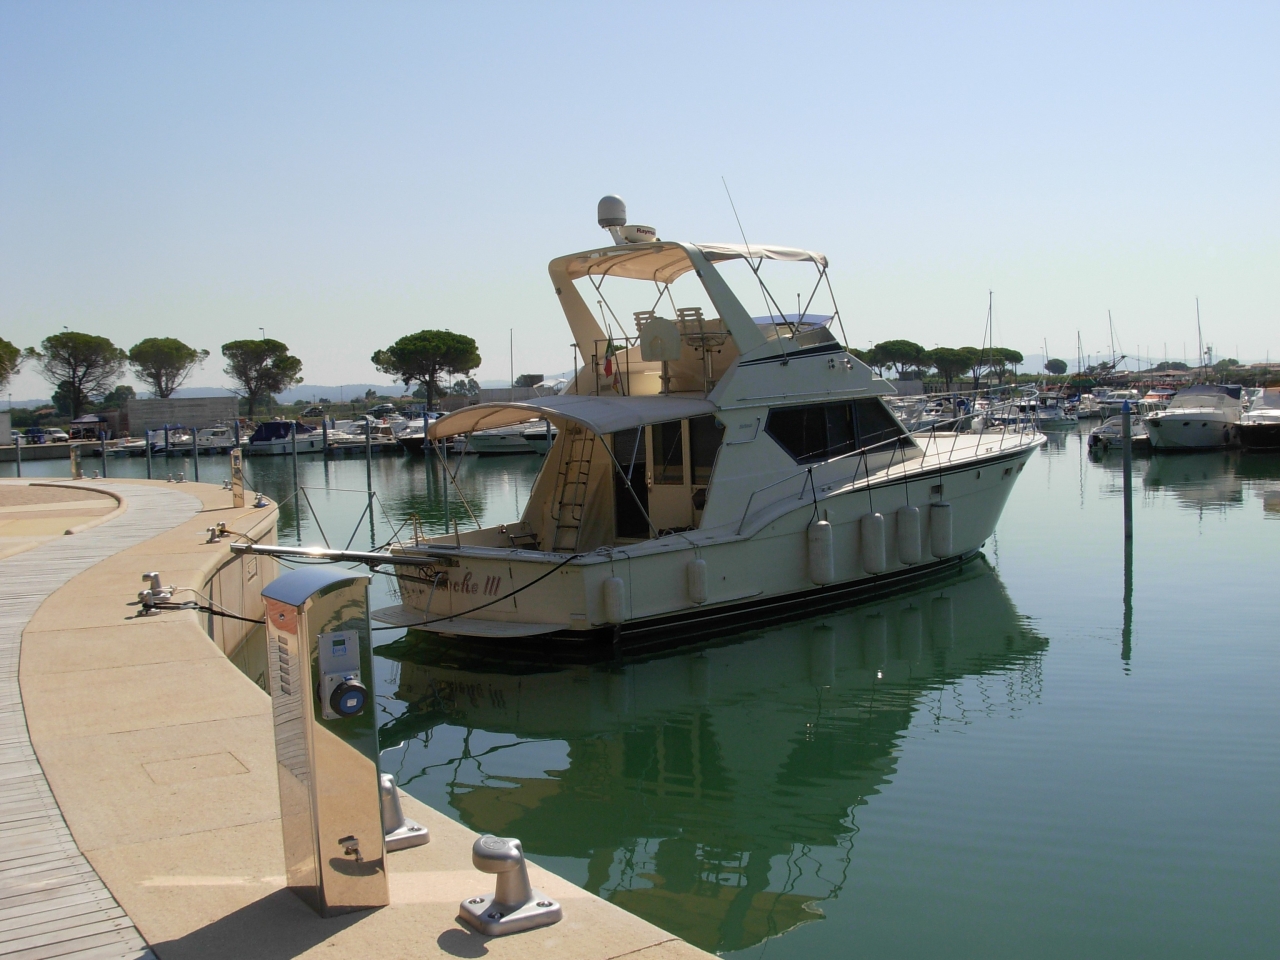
[399, 832]
[514, 905]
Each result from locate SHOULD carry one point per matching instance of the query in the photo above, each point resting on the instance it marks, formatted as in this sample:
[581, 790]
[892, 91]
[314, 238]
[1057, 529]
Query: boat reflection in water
[711, 791]
[1218, 479]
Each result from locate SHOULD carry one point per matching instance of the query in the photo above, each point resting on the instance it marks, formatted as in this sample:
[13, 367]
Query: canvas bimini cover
[600, 415]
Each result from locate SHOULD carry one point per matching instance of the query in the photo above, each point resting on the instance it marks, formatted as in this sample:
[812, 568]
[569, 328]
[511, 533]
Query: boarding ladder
[571, 487]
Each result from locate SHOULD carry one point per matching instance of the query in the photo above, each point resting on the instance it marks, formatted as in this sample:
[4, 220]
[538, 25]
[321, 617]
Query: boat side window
[875, 424]
[668, 452]
[801, 431]
[822, 431]
[705, 437]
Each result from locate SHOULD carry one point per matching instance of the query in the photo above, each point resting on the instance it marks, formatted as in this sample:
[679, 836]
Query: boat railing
[901, 464]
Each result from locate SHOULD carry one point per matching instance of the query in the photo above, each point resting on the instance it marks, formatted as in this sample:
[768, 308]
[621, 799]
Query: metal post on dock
[195, 454]
[147, 434]
[1126, 445]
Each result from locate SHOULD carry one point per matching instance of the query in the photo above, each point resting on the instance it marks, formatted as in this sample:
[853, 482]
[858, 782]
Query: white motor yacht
[1201, 417]
[276, 438]
[1260, 427]
[710, 469]
[503, 440]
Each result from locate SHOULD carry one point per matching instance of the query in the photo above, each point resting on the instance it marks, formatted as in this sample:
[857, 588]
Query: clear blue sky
[342, 174]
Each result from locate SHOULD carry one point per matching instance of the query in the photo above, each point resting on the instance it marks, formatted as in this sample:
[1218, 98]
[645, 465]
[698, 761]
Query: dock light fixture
[514, 906]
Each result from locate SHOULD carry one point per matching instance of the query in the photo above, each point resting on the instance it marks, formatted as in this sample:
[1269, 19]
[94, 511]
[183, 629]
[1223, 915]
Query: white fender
[940, 530]
[613, 592]
[822, 558]
[695, 576]
[909, 534]
[872, 525]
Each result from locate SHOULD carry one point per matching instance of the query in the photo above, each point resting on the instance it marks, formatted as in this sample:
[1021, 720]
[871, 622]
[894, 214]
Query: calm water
[1015, 762]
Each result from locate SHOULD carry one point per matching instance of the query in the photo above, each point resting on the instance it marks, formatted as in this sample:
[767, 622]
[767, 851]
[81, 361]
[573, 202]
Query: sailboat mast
[1199, 337]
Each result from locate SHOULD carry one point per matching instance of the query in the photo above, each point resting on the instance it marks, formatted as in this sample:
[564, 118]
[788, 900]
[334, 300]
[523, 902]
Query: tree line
[85, 369]
[950, 363]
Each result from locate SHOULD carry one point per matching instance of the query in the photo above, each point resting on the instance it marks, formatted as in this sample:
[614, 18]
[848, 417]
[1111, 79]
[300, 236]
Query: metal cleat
[515, 905]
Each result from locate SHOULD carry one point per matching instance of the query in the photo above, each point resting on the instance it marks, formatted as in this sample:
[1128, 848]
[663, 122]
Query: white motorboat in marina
[709, 469]
[1260, 427]
[276, 438]
[500, 441]
[1110, 433]
[1201, 417]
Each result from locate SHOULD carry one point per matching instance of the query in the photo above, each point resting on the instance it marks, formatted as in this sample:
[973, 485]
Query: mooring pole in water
[17, 452]
[1126, 630]
[148, 436]
[102, 448]
[1126, 444]
[368, 471]
[168, 451]
[324, 427]
[293, 443]
[195, 453]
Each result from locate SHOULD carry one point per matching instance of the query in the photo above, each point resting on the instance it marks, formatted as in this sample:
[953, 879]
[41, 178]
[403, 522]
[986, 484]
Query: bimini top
[600, 415]
[665, 262]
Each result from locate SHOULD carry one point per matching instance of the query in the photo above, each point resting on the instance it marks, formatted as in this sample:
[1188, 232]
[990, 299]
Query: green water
[1013, 762]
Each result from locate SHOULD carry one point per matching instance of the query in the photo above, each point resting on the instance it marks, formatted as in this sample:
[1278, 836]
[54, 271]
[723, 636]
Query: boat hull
[746, 578]
[1260, 436]
[1194, 431]
[278, 448]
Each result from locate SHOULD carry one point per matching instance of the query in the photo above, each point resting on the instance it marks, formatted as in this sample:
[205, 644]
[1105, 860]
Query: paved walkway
[52, 902]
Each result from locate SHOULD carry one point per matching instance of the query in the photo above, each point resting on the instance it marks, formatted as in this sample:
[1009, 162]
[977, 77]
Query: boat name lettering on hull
[492, 585]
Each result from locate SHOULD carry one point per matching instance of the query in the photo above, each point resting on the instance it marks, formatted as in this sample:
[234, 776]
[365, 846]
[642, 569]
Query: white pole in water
[368, 464]
[1126, 446]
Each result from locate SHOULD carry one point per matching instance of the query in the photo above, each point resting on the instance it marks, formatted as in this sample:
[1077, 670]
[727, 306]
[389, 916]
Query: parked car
[16, 438]
[55, 435]
[382, 409]
[315, 410]
[35, 435]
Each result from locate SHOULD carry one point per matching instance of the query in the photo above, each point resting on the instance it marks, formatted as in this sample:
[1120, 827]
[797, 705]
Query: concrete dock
[140, 808]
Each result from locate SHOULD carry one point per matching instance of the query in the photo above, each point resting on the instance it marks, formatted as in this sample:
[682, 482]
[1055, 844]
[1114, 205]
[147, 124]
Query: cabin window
[875, 423]
[705, 435]
[668, 452]
[820, 432]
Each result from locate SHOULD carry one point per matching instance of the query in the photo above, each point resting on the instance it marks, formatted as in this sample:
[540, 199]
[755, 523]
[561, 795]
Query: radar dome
[611, 212]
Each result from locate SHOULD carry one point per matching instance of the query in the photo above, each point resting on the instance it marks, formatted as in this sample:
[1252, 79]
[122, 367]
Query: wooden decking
[52, 902]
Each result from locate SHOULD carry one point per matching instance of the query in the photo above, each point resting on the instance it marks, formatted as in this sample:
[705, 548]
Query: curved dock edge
[160, 754]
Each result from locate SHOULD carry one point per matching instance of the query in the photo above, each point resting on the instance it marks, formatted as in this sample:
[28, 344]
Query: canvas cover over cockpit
[666, 262]
[601, 415]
